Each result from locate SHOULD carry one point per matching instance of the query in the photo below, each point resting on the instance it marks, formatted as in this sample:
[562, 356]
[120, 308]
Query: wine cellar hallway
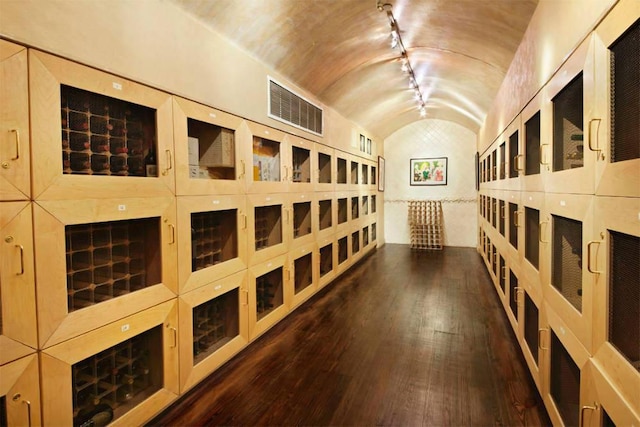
[404, 338]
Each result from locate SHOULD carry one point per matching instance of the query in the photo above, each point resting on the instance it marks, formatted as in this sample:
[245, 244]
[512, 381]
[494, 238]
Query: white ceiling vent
[293, 109]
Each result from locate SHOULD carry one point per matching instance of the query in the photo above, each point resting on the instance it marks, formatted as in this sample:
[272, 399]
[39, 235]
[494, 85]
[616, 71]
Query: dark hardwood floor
[404, 338]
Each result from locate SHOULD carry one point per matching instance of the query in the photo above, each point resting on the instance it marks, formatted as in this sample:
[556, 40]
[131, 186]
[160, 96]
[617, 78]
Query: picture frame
[428, 171]
[381, 173]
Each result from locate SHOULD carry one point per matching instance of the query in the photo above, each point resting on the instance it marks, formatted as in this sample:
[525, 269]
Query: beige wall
[556, 29]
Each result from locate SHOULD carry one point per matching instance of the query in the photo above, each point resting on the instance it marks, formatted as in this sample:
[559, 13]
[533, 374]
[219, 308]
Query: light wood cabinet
[92, 131]
[614, 121]
[212, 238]
[266, 159]
[326, 168]
[533, 163]
[269, 226]
[208, 157]
[303, 272]
[128, 367]
[100, 260]
[303, 213]
[213, 327]
[301, 164]
[269, 294]
[327, 212]
[327, 260]
[343, 247]
[533, 235]
[15, 161]
[17, 286]
[20, 392]
[342, 170]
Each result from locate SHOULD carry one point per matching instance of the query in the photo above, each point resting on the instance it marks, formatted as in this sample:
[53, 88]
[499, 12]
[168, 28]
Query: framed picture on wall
[428, 171]
[380, 173]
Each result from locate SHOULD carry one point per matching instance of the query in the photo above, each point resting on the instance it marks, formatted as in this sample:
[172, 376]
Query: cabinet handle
[173, 233]
[16, 132]
[541, 152]
[516, 291]
[17, 397]
[589, 269]
[517, 163]
[503, 272]
[587, 407]
[169, 162]
[540, 232]
[503, 211]
[175, 335]
[596, 149]
[21, 249]
[244, 221]
[245, 300]
[540, 339]
[516, 215]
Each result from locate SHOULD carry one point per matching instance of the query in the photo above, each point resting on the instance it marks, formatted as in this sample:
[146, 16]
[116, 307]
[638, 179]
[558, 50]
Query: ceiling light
[396, 42]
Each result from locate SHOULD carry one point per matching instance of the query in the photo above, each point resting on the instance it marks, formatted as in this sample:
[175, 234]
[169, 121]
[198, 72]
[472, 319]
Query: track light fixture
[396, 43]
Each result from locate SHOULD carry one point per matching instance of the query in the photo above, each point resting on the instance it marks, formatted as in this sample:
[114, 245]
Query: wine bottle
[150, 163]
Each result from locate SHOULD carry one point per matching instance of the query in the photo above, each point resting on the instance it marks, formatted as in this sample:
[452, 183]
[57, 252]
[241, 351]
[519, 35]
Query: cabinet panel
[327, 261]
[17, 285]
[616, 119]
[304, 272]
[213, 327]
[343, 248]
[266, 159]
[94, 131]
[571, 98]
[269, 294]
[128, 368]
[15, 162]
[568, 285]
[20, 392]
[301, 164]
[101, 260]
[206, 141]
[327, 212]
[532, 226]
[536, 139]
[212, 238]
[327, 173]
[269, 226]
[342, 170]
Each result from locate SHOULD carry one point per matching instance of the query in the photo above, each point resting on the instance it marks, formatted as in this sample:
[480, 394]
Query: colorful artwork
[428, 171]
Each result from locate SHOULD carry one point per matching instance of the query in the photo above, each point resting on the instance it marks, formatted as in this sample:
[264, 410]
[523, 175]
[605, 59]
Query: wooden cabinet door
[20, 386]
[302, 164]
[535, 135]
[18, 322]
[194, 128]
[303, 273]
[617, 174]
[15, 162]
[266, 157]
[99, 136]
[326, 168]
[269, 226]
[101, 260]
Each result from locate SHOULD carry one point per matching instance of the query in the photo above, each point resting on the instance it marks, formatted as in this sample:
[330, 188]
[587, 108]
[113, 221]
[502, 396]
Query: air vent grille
[292, 109]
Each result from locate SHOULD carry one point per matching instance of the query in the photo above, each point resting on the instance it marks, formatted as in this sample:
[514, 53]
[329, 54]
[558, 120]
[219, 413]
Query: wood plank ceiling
[339, 50]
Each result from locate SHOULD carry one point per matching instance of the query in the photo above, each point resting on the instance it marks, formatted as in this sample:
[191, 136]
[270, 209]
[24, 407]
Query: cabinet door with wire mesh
[535, 142]
[570, 98]
[269, 226]
[568, 285]
[531, 240]
[100, 260]
[326, 165]
[616, 127]
[302, 168]
[267, 158]
[269, 294]
[303, 272]
[614, 262]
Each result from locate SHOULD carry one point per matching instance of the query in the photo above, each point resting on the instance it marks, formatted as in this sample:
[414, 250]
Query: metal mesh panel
[513, 301]
[531, 325]
[513, 230]
[568, 125]
[531, 243]
[565, 383]
[513, 154]
[625, 96]
[532, 145]
[624, 295]
[566, 259]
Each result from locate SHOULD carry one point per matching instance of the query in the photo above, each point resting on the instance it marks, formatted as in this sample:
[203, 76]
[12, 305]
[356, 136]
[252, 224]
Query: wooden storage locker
[269, 294]
[529, 332]
[343, 248]
[343, 211]
[20, 392]
[327, 208]
[266, 160]
[354, 172]
[515, 221]
[304, 272]
[301, 164]
[126, 371]
[327, 260]
[269, 225]
[616, 118]
[100, 260]
[513, 164]
[567, 285]
[342, 168]
[373, 181]
[213, 327]
[212, 238]
[356, 246]
[15, 161]
[533, 235]
[207, 141]
[92, 131]
[364, 174]
[536, 149]
[18, 329]
[327, 168]
[570, 96]
[304, 216]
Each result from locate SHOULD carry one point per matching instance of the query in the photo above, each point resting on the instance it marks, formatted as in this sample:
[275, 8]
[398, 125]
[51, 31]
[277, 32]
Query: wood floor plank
[404, 338]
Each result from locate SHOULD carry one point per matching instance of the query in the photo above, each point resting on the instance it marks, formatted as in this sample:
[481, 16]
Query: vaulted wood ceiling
[339, 50]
